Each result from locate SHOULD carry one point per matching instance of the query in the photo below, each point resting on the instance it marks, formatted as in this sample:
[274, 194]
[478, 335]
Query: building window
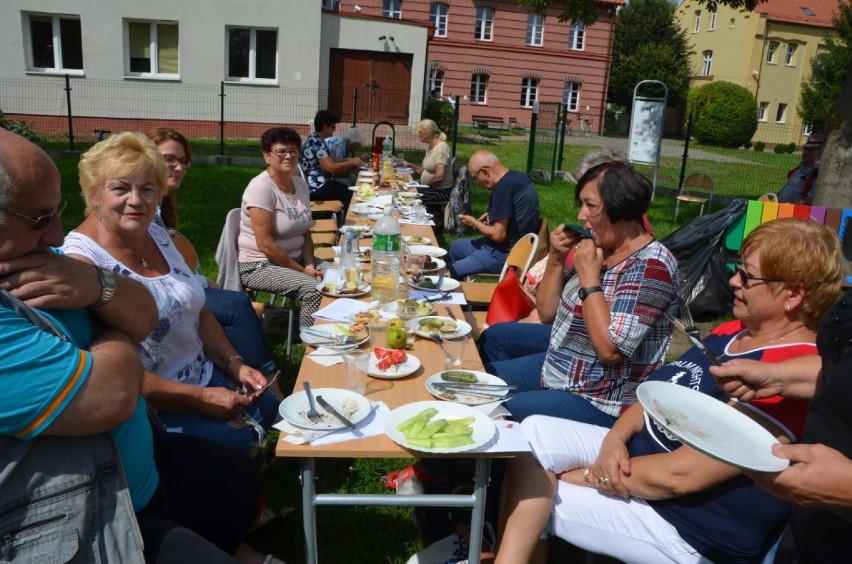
[529, 92]
[707, 67]
[438, 15]
[535, 29]
[697, 27]
[331, 5]
[152, 49]
[790, 55]
[761, 111]
[252, 54]
[571, 96]
[55, 44]
[478, 87]
[770, 51]
[484, 24]
[712, 25]
[807, 129]
[733, 23]
[392, 9]
[577, 36]
[435, 80]
[781, 115]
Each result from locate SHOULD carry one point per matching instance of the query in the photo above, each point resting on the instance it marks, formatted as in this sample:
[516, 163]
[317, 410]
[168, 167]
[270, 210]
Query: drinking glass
[454, 348]
[356, 363]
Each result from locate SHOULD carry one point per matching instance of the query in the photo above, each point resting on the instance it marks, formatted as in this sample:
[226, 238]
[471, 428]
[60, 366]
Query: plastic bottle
[387, 145]
[387, 257]
[348, 272]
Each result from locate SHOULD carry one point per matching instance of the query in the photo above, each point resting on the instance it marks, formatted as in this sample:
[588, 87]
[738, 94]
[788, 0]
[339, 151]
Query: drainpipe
[606, 76]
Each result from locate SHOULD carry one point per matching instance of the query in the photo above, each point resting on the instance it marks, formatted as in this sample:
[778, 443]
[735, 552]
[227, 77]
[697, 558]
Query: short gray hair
[598, 156]
[354, 135]
[8, 186]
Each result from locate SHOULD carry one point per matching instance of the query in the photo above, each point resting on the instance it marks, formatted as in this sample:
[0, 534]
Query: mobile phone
[584, 233]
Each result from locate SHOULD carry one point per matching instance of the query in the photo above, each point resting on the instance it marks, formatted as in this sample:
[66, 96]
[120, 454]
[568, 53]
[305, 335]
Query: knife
[451, 314]
[477, 393]
[334, 412]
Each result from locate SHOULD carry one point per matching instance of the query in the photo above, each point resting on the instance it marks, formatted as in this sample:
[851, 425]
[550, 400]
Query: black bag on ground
[699, 247]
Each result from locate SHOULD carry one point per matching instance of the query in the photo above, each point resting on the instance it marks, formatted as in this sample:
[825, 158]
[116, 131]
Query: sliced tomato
[389, 357]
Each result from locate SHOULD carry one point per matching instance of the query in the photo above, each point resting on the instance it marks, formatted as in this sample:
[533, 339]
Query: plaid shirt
[639, 290]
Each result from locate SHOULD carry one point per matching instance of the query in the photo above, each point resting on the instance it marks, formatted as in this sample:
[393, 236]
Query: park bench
[487, 127]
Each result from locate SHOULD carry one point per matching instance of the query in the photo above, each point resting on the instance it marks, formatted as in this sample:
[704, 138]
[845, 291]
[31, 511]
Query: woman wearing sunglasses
[637, 494]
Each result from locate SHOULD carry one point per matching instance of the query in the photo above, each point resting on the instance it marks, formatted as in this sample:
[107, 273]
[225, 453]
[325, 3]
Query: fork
[313, 415]
[686, 319]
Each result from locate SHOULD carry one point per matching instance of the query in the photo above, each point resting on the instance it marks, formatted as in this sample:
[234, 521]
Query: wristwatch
[586, 292]
[106, 278]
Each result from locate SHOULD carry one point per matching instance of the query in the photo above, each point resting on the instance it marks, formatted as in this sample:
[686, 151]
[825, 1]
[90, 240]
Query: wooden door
[382, 81]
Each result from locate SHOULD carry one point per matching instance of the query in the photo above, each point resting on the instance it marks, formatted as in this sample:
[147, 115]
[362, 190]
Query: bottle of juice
[386, 259]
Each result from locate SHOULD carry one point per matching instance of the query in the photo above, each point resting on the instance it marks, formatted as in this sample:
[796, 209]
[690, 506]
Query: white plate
[710, 426]
[309, 337]
[420, 241]
[447, 285]
[410, 195]
[404, 170]
[375, 216]
[361, 229]
[430, 250]
[483, 428]
[461, 397]
[462, 327]
[410, 366]
[363, 209]
[295, 408]
[391, 309]
[439, 265]
[363, 290]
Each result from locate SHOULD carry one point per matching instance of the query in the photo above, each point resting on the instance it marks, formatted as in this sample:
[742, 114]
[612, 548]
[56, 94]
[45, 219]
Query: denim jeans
[474, 256]
[237, 317]
[531, 399]
[505, 341]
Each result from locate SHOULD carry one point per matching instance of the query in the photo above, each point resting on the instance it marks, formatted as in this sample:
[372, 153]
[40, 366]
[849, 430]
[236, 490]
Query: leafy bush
[441, 113]
[784, 148]
[759, 146]
[723, 114]
[747, 145]
[22, 128]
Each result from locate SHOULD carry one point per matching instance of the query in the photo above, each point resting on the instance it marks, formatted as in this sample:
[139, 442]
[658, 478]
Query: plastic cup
[378, 332]
[454, 348]
[356, 364]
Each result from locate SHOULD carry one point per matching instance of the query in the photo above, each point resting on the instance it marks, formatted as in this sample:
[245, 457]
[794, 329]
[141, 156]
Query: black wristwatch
[586, 292]
[107, 281]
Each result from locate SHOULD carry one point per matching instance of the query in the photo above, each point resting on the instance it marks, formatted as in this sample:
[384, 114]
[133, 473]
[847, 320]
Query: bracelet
[586, 477]
[232, 358]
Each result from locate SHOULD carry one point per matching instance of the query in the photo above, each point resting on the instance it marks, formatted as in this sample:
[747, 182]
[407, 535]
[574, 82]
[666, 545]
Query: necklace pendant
[144, 263]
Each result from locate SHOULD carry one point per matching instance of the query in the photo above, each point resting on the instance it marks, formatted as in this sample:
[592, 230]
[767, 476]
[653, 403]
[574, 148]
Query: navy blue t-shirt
[732, 521]
[514, 197]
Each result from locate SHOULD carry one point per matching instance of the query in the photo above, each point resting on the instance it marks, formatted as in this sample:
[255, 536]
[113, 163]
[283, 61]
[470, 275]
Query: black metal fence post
[455, 124]
[222, 119]
[531, 150]
[70, 115]
[685, 152]
[562, 123]
[354, 106]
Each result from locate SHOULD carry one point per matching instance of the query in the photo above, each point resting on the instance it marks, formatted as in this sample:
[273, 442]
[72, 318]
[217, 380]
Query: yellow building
[767, 51]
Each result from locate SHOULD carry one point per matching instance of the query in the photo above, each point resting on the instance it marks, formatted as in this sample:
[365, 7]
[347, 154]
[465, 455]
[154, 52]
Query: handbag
[510, 302]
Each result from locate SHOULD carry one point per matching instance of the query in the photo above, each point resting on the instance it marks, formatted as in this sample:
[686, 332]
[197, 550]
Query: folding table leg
[477, 520]
[307, 467]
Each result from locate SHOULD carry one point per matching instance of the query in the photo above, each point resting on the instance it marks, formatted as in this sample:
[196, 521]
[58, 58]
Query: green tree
[828, 71]
[723, 114]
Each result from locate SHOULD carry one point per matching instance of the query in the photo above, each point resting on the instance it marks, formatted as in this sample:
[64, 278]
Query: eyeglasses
[745, 277]
[284, 153]
[173, 161]
[42, 221]
[473, 175]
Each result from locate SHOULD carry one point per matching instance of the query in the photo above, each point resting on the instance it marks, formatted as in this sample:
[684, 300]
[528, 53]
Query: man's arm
[747, 380]
[50, 280]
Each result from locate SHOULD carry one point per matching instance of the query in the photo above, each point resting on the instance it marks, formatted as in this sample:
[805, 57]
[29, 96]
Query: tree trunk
[834, 186]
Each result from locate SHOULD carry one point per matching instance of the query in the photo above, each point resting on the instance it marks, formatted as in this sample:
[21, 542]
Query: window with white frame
[478, 88]
[571, 96]
[331, 5]
[712, 25]
[484, 24]
[392, 9]
[761, 111]
[707, 65]
[781, 114]
[152, 49]
[252, 54]
[771, 48]
[732, 23]
[535, 29]
[790, 55]
[697, 27]
[807, 129]
[438, 16]
[529, 92]
[53, 43]
[435, 80]
[577, 36]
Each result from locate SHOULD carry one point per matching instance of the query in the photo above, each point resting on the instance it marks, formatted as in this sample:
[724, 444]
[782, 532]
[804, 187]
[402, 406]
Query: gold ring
[603, 481]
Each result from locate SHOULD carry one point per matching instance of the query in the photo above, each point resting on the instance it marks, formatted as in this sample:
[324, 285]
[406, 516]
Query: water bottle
[387, 257]
[348, 273]
[387, 145]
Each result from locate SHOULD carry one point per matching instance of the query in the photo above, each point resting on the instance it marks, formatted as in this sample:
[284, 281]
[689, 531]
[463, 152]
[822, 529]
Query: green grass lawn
[380, 534]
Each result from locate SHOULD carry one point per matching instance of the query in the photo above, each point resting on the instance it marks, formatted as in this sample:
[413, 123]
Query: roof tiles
[796, 11]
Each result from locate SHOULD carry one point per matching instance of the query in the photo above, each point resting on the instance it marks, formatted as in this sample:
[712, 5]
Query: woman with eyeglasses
[637, 494]
[276, 250]
[233, 310]
[195, 377]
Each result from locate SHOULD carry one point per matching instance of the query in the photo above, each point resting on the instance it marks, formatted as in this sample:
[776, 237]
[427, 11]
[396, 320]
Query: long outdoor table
[394, 393]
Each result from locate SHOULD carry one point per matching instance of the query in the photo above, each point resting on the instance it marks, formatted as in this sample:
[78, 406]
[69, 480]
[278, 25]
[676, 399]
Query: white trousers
[627, 529]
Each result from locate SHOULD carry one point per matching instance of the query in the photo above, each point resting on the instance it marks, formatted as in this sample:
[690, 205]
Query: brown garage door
[382, 81]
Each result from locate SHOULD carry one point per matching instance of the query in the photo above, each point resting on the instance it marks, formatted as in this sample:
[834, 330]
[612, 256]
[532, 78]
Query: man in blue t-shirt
[512, 213]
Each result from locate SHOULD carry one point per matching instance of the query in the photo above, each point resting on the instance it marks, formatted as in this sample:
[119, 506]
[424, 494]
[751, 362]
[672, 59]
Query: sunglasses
[745, 277]
[42, 221]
